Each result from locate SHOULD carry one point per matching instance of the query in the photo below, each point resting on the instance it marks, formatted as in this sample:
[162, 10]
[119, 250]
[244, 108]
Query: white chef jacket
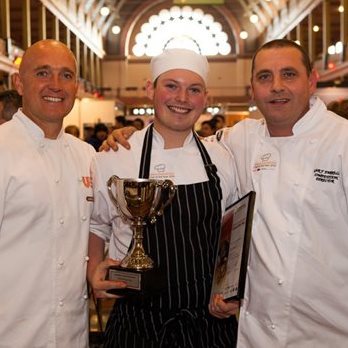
[45, 206]
[181, 165]
[297, 283]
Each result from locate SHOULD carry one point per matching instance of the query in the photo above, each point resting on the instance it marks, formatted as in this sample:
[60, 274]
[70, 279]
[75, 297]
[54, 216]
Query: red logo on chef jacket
[87, 181]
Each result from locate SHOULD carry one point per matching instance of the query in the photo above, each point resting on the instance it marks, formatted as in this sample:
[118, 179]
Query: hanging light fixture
[116, 29]
[254, 18]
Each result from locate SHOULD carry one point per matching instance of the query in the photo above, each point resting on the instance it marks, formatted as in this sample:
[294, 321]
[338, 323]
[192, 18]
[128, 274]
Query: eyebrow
[190, 85]
[263, 71]
[287, 68]
[52, 68]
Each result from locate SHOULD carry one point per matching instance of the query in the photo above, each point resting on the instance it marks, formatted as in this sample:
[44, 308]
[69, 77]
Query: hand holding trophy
[138, 201]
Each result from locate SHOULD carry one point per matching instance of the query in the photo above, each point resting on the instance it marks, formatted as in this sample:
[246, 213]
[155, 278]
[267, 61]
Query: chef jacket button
[273, 327]
[86, 258]
[56, 181]
[85, 297]
[280, 281]
[79, 179]
[61, 303]
[247, 313]
[60, 262]
[61, 221]
[83, 218]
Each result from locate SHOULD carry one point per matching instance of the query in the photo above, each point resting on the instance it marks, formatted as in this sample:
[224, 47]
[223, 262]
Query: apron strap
[144, 170]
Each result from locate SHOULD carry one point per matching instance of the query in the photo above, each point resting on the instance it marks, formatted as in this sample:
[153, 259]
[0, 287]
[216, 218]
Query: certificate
[233, 249]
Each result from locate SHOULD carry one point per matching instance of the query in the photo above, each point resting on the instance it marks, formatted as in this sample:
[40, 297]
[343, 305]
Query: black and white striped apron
[183, 244]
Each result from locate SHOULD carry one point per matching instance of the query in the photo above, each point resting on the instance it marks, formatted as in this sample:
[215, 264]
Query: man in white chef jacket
[296, 159]
[45, 205]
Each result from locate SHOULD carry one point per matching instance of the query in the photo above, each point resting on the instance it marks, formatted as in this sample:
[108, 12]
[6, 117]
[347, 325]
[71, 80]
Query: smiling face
[47, 82]
[179, 98]
[281, 88]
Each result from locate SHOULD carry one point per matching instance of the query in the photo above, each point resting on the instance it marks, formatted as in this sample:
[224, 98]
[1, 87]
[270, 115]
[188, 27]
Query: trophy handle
[167, 193]
[111, 181]
[169, 190]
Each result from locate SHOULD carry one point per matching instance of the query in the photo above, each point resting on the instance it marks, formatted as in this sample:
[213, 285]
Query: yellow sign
[198, 2]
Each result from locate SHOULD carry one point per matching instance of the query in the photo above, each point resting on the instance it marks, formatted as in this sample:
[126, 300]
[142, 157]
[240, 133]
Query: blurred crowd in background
[340, 107]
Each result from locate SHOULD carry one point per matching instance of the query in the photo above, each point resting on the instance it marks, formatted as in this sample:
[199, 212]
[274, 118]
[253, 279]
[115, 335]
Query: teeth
[178, 109]
[279, 101]
[53, 99]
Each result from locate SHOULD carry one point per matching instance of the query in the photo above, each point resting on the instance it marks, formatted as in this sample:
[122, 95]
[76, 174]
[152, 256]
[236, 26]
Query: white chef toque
[179, 58]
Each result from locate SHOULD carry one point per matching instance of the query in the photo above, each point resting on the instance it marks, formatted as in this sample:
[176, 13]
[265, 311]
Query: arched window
[181, 27]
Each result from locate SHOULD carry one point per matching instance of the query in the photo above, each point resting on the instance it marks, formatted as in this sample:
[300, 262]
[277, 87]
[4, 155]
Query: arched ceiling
[232, 14]
[276, 19]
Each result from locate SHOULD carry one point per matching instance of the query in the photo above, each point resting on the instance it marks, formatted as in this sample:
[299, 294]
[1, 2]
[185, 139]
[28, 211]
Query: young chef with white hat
[183, 241]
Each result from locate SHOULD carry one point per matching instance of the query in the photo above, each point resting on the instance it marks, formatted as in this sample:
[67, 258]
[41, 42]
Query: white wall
[226, 78]
[91, 111]
[329, 94]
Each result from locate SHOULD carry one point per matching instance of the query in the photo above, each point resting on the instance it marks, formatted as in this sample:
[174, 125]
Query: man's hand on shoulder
[118, 137]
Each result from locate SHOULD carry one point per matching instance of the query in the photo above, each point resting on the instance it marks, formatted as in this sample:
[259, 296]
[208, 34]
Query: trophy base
[142, 282]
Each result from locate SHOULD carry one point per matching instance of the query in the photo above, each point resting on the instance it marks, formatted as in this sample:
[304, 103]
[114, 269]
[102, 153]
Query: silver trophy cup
[139, 201]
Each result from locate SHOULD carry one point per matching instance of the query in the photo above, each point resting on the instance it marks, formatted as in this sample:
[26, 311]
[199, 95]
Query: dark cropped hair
[12, 96]
[11, 101]
[281, 43]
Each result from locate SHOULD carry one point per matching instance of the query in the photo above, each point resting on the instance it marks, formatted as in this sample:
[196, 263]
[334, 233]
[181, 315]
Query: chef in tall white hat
[183, 241]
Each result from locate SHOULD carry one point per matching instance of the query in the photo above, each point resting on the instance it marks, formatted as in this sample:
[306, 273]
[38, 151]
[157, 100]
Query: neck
[52, 133]
[279, 132]
[172, 139]
[50, 129]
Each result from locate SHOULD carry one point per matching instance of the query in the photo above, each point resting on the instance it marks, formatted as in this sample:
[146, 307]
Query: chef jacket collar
[160, 141]
[34, 130]
[305, 123]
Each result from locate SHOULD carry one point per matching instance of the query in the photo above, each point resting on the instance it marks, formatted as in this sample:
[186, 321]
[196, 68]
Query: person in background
[88, 132]
[219, 120]
[138, 123]
[207, 128]
[340, 107]
[73, 130]
[10, 101]
[45, 206]
[334, 106]
[120, 122]
[100, 134]
[343, 108]
[183, 242]
[296, 159]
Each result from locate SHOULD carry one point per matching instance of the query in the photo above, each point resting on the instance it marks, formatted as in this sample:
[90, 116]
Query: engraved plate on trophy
[139, 201]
